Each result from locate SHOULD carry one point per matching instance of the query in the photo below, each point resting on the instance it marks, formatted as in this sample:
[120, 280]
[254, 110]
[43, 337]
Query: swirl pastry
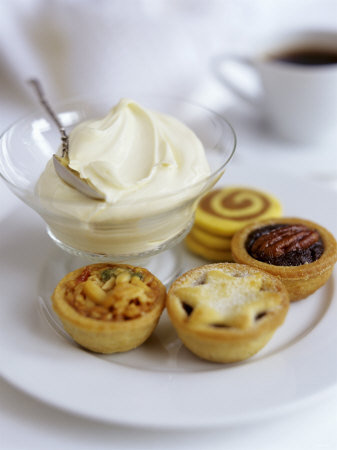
[224, 211]
[300, 252]
[226, 312]
[208, 246]
[221, 213]
[109, 308]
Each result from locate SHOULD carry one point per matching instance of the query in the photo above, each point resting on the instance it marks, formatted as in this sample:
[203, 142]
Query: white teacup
[298, 98]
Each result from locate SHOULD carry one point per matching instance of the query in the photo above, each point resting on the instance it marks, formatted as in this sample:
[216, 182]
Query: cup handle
[228, 80]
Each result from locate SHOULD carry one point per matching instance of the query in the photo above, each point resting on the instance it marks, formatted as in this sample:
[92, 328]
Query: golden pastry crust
[109, 308]
[226, 312]
[301, 280]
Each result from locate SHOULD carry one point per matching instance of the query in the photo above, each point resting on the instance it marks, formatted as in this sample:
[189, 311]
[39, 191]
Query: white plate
[161, 384]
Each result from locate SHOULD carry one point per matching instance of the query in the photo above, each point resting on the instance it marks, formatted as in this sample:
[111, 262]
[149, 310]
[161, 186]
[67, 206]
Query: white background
[78, 47]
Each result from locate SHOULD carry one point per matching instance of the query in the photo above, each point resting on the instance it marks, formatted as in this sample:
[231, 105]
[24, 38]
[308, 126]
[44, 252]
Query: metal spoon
[61, 164]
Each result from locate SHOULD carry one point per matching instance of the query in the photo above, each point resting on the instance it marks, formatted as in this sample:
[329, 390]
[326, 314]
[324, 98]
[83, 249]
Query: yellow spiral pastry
[210, 240]
[207, 253]
[225, 211]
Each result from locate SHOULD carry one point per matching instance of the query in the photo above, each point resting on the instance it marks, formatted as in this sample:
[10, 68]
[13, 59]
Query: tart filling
[285, 244]
[226, 312]
[112, 293]
[229, 299]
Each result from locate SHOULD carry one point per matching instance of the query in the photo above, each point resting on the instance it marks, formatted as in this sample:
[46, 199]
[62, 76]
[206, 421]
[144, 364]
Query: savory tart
[109, 308]
[226, 312]
[300, 252]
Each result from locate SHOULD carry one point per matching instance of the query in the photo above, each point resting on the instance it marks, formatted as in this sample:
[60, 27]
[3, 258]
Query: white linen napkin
[85, 47]
[160, 46]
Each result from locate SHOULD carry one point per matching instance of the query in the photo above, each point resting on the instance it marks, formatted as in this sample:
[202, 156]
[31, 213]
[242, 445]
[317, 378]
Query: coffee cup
[297, 78]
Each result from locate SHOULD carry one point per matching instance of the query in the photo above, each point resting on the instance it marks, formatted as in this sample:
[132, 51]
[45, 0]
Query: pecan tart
[226, 312]
[109, 308]
[300, 252]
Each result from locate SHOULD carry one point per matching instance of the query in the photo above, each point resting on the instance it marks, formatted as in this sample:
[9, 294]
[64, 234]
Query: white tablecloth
[78, 47]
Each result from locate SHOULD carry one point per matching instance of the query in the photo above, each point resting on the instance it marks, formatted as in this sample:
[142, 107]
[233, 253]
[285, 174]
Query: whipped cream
[134, 153]
[135, 156]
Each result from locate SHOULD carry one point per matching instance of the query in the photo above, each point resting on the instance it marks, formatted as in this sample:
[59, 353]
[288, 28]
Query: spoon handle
[64, 137]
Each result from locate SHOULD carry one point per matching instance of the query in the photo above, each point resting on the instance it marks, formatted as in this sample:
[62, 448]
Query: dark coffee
[306, 56]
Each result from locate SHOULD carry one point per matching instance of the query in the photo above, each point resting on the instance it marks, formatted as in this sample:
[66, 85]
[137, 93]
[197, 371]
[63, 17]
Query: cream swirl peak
[137, 153]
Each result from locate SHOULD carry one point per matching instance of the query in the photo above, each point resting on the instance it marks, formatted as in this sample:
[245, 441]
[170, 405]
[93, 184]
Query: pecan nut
[282, 244]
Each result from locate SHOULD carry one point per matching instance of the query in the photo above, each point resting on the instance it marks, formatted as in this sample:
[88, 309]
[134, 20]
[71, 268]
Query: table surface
[28, 423]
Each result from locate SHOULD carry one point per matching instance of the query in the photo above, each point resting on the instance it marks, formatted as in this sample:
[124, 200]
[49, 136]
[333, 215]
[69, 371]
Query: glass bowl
[132, 231]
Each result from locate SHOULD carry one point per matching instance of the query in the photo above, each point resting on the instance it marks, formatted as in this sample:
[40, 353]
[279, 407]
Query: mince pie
[226, 312]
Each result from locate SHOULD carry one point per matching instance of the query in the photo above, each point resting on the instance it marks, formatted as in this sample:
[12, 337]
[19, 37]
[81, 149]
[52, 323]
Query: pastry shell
[226, 344]
[108, 336]
[300, 281]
